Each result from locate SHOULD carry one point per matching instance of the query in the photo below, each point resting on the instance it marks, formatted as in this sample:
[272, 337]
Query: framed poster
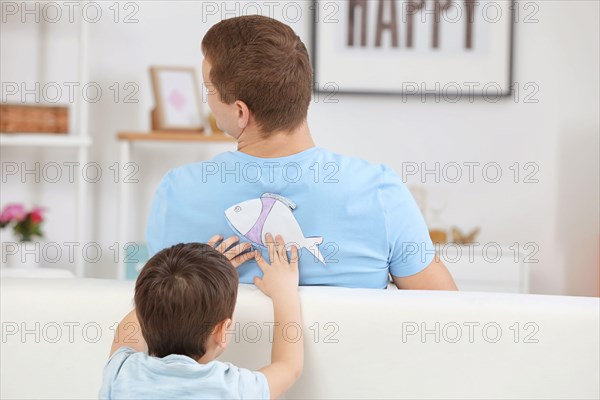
[451, 47]
[177, 99]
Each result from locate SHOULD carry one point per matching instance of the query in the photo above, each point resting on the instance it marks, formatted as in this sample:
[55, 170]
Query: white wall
[560, 133]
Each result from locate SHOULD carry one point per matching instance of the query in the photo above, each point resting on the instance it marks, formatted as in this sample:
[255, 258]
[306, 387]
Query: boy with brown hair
[184, 301]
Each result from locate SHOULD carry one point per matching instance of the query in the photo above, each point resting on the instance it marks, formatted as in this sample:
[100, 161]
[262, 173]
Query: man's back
[355, 221]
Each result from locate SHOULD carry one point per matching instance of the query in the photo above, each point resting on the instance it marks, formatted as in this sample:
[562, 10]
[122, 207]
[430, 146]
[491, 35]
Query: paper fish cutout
[271, 213]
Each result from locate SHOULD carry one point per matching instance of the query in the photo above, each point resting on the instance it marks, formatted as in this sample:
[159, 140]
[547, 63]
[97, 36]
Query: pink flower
[12, 212]
[36, 215]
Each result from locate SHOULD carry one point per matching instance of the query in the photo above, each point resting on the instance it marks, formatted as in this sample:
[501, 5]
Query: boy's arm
[129, 334]
[287, 357]
[280, 283]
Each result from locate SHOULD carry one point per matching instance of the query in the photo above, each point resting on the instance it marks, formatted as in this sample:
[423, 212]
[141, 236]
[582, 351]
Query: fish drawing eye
[237, 209]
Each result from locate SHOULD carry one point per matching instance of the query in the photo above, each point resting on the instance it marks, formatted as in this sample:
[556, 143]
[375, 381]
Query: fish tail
[311, 243]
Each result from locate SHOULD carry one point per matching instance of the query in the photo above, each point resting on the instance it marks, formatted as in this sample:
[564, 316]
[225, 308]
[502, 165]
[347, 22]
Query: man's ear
[243, 114]
[220, 333]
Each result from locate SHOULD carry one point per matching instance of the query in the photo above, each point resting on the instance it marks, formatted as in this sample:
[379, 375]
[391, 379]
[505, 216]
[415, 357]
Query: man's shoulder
[329, 163]
[196, 170]
[355, 169]
[199, 165]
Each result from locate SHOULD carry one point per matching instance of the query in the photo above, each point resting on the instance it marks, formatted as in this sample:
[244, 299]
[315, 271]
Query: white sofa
[359, 343]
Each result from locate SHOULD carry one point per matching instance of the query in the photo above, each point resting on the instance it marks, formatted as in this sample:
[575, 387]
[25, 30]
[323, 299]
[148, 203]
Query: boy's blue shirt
[355, 221]
[135, 375]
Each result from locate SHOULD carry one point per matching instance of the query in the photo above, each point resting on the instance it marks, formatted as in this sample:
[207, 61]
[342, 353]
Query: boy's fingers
[258, 282]
[260, 261]
[294, 258]
[227, 243]
[240, 259]
[281, 248]
[270, 243]
[233, 252]
[237, 249]
[213, 240]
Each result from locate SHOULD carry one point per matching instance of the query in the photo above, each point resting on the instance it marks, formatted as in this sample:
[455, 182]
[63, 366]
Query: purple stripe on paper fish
[255, 233]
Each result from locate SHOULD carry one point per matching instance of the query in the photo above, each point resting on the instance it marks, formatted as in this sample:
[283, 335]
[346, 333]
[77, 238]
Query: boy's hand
[281, 277]
[233, 254]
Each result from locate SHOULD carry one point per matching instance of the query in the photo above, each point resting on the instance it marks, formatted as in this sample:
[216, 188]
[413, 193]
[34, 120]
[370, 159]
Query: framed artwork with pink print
[177, 98]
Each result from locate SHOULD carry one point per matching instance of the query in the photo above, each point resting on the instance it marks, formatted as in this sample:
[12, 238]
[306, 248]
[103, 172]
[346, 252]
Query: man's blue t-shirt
[134, 375]
[354, 221]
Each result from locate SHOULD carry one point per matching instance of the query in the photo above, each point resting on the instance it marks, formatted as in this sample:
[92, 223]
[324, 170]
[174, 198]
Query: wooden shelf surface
[174, 137]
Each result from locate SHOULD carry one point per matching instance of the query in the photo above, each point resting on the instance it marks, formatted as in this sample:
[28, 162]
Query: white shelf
[79, 140]
[40, 272]
[43, 139]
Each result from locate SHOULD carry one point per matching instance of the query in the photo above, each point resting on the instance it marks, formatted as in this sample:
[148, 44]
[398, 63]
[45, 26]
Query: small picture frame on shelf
[177, 99]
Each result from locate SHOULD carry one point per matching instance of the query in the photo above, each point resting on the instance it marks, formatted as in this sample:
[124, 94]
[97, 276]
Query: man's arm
[434, 277]
[129, 334]
[405, 229]
[280, 283]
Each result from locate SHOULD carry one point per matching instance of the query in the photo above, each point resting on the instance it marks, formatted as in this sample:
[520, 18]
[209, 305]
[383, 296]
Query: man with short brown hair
[355, 222]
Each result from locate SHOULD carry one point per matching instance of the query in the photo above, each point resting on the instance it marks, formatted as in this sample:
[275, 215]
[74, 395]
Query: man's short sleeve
[410, 246]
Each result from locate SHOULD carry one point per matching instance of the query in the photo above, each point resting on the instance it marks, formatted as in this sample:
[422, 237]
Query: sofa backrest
[359, 343]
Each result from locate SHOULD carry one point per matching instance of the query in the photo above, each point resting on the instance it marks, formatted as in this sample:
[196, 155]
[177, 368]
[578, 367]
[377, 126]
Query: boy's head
[258, 64]
[184, 298]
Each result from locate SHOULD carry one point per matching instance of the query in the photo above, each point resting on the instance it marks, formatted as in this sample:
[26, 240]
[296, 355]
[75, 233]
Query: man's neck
[277, 144]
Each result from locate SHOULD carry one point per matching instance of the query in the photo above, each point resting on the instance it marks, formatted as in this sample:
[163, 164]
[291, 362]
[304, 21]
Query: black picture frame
[314, 58]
